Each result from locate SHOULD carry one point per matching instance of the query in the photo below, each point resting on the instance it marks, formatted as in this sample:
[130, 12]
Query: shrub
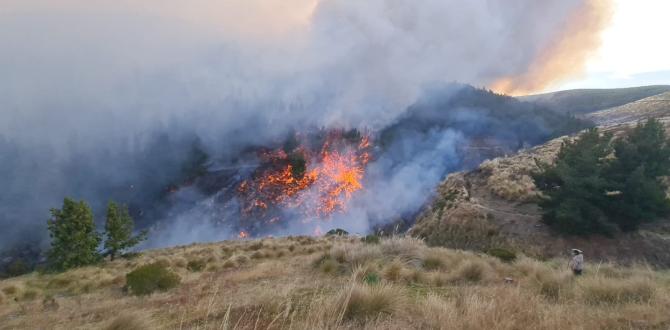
[371, 278]
[371, 239]
[196, 265]
[368, 302]
[601, 290]
[502, 254]
[337, 232]
[149, 278]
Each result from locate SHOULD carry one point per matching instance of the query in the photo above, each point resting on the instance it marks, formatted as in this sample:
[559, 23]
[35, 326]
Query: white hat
[577, 250]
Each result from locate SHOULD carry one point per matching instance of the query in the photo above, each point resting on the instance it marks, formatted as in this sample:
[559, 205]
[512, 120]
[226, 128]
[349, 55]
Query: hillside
[494, 205]
[339, 283]
[580, 101]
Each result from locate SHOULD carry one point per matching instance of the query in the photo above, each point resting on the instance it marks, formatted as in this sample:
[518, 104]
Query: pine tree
[575, 187]
[74, 241]
[642, 157]
[119, 230]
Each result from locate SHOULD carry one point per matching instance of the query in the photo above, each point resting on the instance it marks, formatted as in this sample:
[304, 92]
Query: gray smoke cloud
[86, 86]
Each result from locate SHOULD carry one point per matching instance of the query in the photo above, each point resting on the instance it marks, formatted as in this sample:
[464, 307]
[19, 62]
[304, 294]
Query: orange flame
[325, 185]
[243, 234]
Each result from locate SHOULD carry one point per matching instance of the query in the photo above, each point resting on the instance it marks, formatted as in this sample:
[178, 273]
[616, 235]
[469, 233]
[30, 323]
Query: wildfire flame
[314, 184]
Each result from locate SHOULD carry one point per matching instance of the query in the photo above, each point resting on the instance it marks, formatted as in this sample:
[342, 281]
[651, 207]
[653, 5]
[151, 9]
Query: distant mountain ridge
[583, 101]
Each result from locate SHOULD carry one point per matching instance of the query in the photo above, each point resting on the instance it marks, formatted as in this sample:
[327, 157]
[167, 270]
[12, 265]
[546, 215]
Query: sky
[634, 50]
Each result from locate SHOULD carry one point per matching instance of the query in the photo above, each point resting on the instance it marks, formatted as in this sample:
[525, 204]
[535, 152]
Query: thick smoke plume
[105, 99]
[568, 52]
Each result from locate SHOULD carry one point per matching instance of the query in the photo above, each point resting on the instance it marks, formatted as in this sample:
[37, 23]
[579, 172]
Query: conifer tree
[74, 240]
[119, 230]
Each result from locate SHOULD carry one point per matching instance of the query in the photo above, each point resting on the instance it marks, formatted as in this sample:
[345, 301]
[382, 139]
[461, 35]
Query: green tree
[575, 187]
[642, 157]
[74, 241]
[119, 230]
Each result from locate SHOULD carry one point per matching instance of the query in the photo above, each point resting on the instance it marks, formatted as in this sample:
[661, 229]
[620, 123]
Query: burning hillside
[312, 177]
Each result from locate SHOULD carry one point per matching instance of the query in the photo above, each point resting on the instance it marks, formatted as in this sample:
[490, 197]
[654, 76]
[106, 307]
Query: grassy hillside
[580, 101]
[340, 283]
[495, 204]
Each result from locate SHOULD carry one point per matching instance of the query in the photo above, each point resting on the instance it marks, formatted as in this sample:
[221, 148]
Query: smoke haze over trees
[116, 99]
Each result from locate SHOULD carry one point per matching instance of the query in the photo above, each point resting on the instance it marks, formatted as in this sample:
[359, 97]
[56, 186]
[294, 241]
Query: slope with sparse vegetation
[339, 282]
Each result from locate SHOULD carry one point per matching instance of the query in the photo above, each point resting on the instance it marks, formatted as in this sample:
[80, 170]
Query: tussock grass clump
[149, 278]
[364, 302]
[180, 262]
[29, 294]
[241, 259]
[10, 290]
[472, 271]
[551, 284]
[59, 283]
[129, 322]
[408, 248]
[600, 290]
[195, 265]
[433, 261]
[230, 263]
[393, 271]
[2, 298]
[437, 312]
[371, 239]
[255, 246]
[502, 254]
[163, 262]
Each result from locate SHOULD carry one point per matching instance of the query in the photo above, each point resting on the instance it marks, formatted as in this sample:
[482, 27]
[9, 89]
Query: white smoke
[81, 76]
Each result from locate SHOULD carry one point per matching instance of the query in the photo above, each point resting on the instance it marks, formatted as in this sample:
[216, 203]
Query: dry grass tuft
[472, 271]
[364, 302]
[10, 290]
[132, 321]
[601, 290]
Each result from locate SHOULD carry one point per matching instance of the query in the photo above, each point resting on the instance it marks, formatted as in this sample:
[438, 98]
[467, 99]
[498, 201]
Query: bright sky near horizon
[635, 49]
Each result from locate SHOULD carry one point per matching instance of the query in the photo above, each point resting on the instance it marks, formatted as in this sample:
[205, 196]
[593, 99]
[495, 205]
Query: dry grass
[397, 284]
[133, 321]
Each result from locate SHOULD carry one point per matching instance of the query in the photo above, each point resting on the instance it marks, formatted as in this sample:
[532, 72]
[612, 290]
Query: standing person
[577, 262]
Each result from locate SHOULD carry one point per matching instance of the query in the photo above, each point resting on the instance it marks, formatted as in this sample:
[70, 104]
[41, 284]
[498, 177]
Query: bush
[149, 278]
[196, 265]
[337, 232]
[502, 254]
[371, 239]
[371, 278]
